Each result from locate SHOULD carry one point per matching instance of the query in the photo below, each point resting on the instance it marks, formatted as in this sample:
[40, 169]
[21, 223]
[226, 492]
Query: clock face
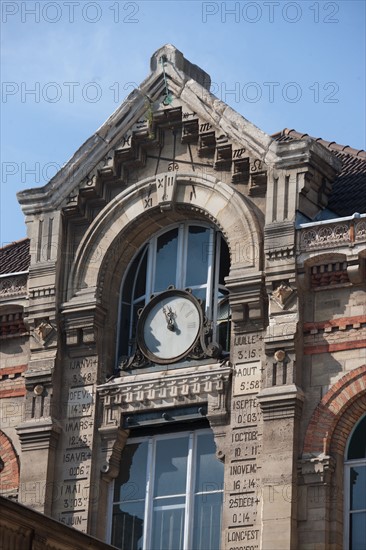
[169, 326]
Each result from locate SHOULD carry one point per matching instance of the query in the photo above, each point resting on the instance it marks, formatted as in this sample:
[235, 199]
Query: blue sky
[67, 65]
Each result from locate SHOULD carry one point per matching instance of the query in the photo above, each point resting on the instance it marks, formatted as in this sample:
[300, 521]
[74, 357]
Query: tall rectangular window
[168, 495]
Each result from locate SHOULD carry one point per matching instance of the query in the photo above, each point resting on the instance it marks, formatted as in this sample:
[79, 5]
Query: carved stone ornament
[282, 294]
[13, 286]
[42, 331]
[316, 469]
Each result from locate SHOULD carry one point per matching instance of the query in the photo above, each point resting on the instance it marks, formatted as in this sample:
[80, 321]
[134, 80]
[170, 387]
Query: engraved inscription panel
[73, 496]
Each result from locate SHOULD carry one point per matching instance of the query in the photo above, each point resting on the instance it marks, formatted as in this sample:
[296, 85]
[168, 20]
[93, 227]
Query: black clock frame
[170, 293]
[201, 348]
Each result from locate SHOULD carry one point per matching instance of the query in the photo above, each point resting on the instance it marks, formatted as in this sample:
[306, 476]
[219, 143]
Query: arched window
[355, 489]
[186, 255]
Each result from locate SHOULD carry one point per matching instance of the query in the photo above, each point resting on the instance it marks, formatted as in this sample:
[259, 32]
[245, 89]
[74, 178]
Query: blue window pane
[358, 531]
[131, 482]
[357, 446]
[128, 525]
[358, 488]
[166, 260]
[171, 466]
[207, 522]
[209, 470]
[168, 524]
[140, 283]
[200, 254]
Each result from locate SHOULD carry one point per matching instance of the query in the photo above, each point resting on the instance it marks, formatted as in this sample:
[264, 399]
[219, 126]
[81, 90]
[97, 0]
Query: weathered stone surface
[297, 303]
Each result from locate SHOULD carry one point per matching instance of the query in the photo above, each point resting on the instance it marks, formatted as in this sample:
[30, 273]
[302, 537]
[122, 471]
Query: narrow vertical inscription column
[72, 494]
[242, 469]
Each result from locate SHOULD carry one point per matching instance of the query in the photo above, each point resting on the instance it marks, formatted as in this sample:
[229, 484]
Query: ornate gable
[170, 123]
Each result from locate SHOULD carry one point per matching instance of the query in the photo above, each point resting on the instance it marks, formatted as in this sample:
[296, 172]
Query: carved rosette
[161, 390]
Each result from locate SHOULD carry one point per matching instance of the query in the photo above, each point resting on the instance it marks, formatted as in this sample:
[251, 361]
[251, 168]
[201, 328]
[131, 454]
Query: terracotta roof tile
[15, 257]
[349, 189]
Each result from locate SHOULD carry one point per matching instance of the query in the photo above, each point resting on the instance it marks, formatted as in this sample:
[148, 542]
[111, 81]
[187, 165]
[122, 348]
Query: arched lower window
[355, 489]
[186, 255]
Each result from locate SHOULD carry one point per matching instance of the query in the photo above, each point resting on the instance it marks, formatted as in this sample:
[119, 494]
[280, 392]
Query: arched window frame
[348, 465]
[149, 250]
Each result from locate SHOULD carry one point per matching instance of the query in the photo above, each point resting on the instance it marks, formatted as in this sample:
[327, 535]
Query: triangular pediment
[170, 122]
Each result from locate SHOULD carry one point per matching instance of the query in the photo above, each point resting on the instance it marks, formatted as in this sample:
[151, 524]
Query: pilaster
[316, 500]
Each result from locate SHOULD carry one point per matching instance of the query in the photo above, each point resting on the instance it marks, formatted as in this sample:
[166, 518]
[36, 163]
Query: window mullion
[216, 286]
[148, 514]
[180, 278]
[150, 269]
[191, 471]
[210, 275]
[108, 535]
[346, 506]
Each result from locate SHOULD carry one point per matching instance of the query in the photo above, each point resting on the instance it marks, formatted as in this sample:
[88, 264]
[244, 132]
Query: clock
[169, 326]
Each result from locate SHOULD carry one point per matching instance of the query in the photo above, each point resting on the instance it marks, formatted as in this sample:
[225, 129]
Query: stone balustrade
[324, 235]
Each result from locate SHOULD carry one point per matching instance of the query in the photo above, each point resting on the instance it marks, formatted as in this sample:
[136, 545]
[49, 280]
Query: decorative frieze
[329, 235]
[13, 286]
[182, 387]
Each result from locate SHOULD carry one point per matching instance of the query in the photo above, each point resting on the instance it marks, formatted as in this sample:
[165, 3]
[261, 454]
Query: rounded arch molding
[125, 224]
[339, 410]
[10, 472]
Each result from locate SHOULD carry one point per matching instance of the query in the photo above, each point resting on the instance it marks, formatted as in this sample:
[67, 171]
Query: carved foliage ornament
[282, 294]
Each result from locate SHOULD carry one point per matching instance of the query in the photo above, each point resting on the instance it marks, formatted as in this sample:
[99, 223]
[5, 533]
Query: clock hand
[169, 316]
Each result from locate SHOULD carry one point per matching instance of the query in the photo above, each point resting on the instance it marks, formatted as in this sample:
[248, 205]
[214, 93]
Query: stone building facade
[183, 360]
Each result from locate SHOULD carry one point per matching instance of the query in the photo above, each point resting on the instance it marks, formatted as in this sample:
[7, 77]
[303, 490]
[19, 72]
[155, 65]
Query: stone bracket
[113, 442]
[315, 469]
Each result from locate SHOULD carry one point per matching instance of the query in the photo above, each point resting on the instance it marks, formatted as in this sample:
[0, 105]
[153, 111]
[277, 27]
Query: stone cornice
[281, 402]
[178, 388]
[164, 389]
[300, 153]
[38, 434]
